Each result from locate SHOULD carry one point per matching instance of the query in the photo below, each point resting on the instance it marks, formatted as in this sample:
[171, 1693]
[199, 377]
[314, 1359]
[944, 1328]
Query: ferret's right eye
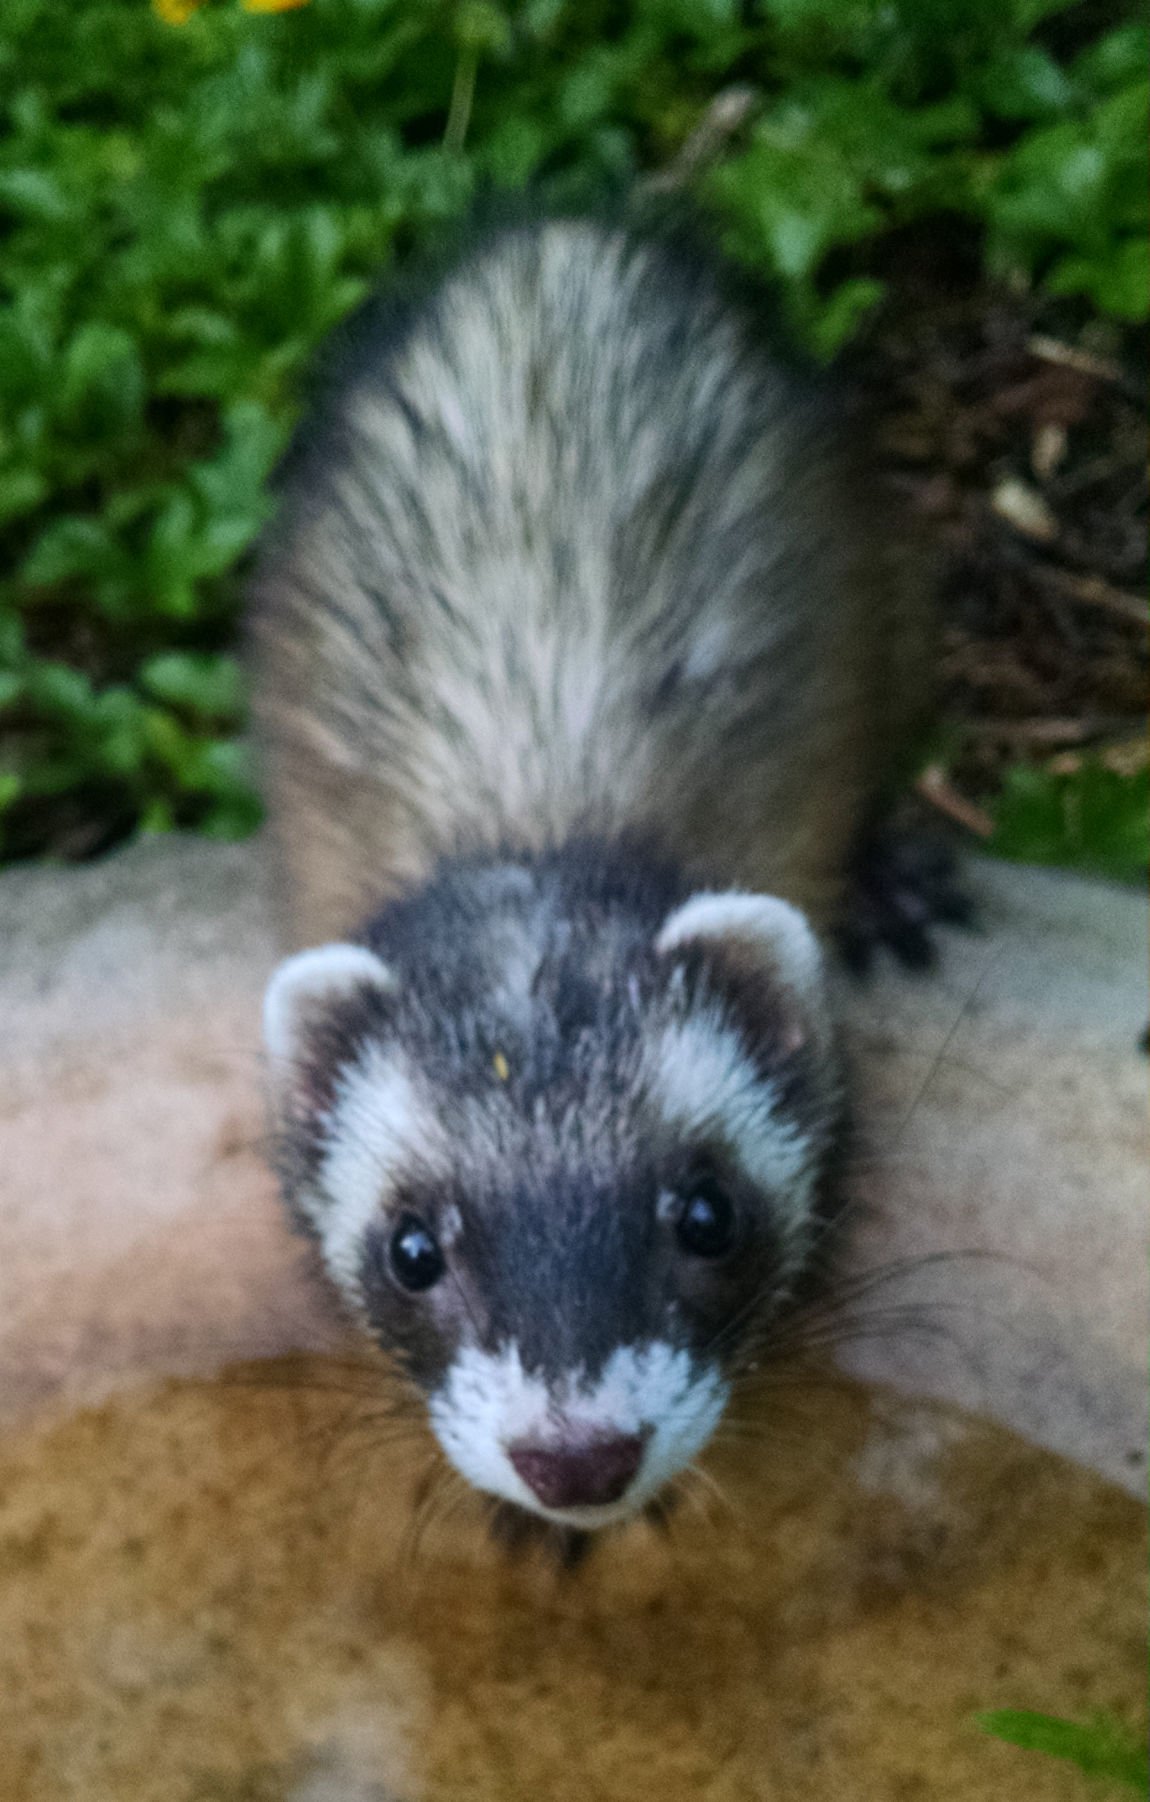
[705, 1226]
[415, 1256]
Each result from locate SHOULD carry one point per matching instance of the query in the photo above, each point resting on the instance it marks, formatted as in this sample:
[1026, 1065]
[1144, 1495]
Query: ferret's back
[570, 553]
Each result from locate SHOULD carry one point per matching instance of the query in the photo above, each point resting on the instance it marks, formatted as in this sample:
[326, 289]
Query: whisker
[696, 1477]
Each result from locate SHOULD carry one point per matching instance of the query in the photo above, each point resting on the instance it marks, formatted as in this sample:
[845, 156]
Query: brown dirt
[1020, 432]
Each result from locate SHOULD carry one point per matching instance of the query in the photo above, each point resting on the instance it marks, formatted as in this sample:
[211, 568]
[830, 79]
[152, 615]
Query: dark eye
[416, 1258]
[705, 1225]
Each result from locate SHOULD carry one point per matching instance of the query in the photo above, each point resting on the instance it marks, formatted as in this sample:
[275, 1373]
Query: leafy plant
[1101, 1748]
[186, 209]
[1091, 818]
[890, 114]
[1069, 199]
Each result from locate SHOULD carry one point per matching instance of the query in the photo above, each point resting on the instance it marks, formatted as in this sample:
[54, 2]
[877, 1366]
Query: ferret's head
[560, 1138]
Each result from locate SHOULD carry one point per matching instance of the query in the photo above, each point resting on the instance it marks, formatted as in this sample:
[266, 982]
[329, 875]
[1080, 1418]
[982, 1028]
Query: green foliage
[888, 114]
[1070, 197]
[1092, 819]
[187, 211]
[1102, 1748]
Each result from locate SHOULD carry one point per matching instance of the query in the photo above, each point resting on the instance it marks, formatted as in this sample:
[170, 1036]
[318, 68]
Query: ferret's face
[567, 1181]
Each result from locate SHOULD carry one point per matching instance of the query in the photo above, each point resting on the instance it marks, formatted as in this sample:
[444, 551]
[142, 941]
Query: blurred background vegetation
[192, 196]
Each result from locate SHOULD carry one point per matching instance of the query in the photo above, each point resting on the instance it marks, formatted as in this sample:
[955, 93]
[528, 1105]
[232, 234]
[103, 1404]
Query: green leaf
[1101, 1748]
[102, 383]
[172, 745]
[1093, 819]
[1118, 58]
[1116, 279]
[72, 546]
[35, 194]
[21, 491]
[1025, 82]
[513, 151]
[481, 26]
[835, 320]
[157, 816]
[587, 92]
[210, 686]
[117, 731]
[236, 817]
[62, 691]
[171, 564]
[12, 648]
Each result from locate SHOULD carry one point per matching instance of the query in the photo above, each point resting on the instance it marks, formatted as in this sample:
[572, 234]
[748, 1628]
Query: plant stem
[462, 94]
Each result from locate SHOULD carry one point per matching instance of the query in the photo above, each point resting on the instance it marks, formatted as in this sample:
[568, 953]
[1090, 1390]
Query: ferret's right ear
[771, 932]
[764, 956]
[311, 988]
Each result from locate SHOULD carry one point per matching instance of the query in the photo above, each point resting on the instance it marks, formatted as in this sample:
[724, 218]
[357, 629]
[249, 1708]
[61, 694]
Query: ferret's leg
[905, 881]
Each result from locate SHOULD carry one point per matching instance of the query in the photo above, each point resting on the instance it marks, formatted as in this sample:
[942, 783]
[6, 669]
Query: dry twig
[935, 787]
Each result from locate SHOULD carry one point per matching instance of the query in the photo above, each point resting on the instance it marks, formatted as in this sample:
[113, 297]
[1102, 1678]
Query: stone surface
[214, 1592]
[250, 1585]
[139, 1228]
[1003, 1114]
[1005, 1109]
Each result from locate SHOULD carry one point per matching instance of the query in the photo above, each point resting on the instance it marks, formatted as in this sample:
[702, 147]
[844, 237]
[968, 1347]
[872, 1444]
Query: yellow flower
[175, 12]
[178, 12]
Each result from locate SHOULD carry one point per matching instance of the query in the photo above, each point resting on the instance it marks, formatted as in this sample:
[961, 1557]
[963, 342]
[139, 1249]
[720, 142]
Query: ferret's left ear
[307, 989]
[760, 937]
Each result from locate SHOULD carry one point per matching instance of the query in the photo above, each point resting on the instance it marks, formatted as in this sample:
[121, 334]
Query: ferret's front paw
[905, 883]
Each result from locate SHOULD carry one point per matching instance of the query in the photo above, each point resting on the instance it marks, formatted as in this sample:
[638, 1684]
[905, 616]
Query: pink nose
[582, 1473]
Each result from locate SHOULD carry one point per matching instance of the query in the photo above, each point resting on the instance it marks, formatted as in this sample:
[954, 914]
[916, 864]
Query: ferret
[583, 647]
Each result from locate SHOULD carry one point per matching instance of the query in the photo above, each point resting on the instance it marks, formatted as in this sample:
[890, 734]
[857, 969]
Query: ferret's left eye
[416, 1259]
[705, 1225]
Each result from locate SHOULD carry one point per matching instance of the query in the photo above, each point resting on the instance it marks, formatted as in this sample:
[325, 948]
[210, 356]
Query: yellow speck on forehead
[500, 1066]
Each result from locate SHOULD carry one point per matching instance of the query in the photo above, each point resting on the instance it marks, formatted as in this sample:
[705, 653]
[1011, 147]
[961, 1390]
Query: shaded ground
[1021, 434]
